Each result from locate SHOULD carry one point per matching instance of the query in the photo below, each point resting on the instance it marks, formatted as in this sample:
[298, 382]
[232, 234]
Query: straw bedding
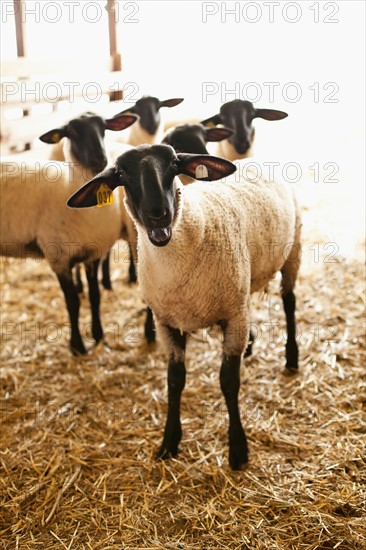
[78, 434]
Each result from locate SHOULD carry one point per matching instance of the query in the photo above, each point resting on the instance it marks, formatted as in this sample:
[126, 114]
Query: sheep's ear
[120, 122]
[54, 136]
[204, 167]
[171, 102]
[270, 114]
[128, 111]
[212, 121]
[87, 195]
[218, 133]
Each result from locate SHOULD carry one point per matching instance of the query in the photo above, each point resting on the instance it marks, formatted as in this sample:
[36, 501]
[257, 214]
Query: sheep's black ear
[54, 136]
[218, 133]
[88, 194]
[270, 114]
[171, 102]
[120, 122]
[212, 121]
[204, 167]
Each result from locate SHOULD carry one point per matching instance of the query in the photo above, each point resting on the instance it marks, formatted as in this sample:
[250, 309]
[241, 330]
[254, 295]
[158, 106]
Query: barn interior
[79, 432]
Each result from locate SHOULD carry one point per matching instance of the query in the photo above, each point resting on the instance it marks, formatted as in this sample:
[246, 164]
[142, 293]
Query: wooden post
[19, 16]
[113, 44]
[19, 26]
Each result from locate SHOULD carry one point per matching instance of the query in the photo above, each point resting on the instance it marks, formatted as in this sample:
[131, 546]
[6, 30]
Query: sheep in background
[149, 129]
[113, 150]
[239, 115]
[35, 221]
[203, 249]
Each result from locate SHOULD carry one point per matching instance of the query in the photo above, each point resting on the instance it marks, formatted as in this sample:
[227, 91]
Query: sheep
[203, 249]
[239, 115]
[192, 138]
[35, 220]
[187, 138]
[149, 129]
[113, 150]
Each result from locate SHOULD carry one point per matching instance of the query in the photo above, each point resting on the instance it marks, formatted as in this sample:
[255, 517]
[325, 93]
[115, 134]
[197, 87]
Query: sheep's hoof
[291, 368]
[98, 334]
[107, 285]
[164, 454]
[150, 337]
[78, 349]
[132, 279]
[248, 351]
[238, 457]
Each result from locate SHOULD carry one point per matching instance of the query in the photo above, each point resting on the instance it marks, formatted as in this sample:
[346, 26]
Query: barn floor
[78, 434]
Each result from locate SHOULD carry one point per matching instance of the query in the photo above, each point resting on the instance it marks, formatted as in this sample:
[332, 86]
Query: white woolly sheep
[203, 249]
[36, 222]
[239, 115]
[186, 138]
[113, 149]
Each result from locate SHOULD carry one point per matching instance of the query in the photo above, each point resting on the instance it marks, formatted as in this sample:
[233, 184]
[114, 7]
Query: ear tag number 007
[104, 195]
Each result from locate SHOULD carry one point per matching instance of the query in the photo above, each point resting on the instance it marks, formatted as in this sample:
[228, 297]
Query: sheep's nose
[157, 217]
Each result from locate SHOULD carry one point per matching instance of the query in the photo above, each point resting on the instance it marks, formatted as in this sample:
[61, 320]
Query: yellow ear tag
[201, 172]
[104, 195]
[56, 137]
[210, 124]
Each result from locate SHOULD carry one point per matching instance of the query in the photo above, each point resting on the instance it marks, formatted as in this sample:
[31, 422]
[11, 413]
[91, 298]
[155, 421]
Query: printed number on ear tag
[104, 195]
[201, 172]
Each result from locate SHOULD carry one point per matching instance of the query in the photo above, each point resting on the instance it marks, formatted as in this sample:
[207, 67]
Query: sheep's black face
[188, 138]
[192, 138]
[86, 135]
[148, 175]
[148, 110]
[238, 115]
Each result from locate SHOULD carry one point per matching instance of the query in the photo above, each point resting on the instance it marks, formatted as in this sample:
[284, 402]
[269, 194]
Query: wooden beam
[113, 44]
[20, 27]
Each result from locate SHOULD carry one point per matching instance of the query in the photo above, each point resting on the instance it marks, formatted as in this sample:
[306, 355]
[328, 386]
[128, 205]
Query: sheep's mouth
[160, 236]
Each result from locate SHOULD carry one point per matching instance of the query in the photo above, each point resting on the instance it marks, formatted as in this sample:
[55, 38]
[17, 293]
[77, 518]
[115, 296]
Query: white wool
[33, 209]
[139, 136]
[226, 150]
[229, 240]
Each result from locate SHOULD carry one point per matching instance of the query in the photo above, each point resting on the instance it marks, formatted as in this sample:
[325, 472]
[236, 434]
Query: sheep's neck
[139, 136]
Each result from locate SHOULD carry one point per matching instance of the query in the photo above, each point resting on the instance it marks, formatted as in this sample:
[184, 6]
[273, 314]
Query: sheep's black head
[148, 174]
[86, 136]
[239, 115]
[192, 138]
[147, 108]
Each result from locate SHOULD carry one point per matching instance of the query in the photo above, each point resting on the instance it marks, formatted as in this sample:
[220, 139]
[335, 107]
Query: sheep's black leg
[106, 274]
[292, 351]
[78, 282]
[249, 349]
[149, 329]
[230, 382]
[94, 298]
[73, 306]
[176, 383]
[132, 276]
